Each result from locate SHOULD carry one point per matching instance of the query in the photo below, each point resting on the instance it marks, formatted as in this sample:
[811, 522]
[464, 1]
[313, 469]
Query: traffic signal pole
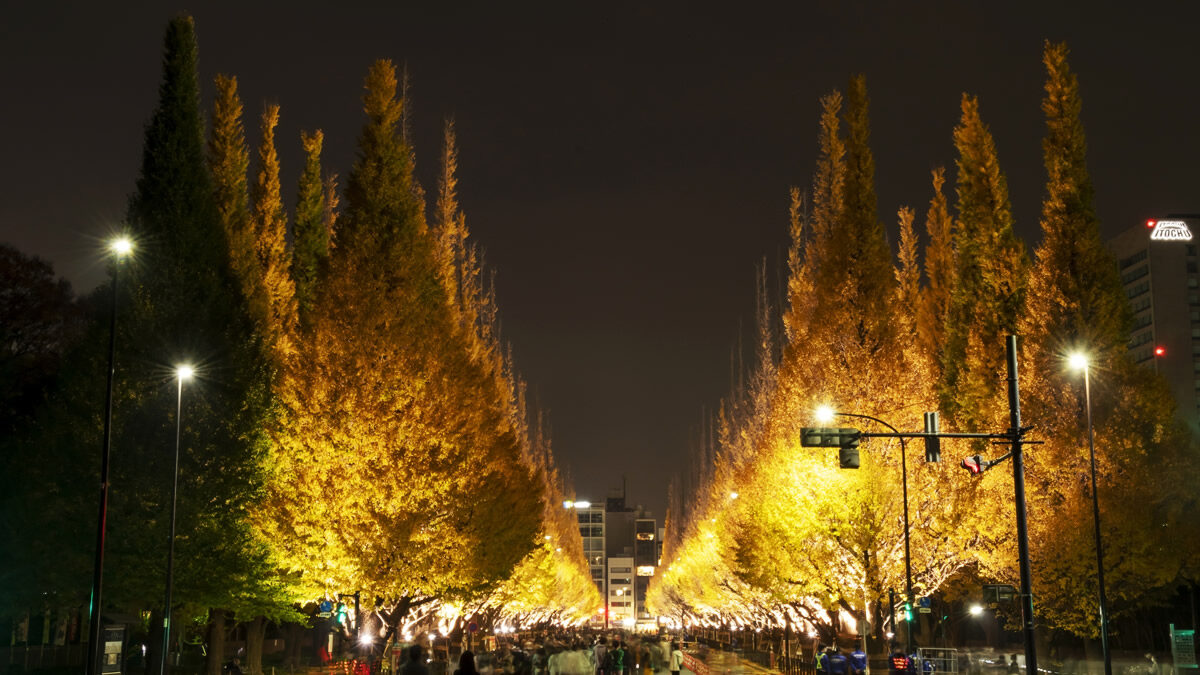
[1015, 436]
[1018, 458]
[908, 587]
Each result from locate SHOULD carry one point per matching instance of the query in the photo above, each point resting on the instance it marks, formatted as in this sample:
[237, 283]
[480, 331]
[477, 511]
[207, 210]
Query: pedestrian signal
[975, 464]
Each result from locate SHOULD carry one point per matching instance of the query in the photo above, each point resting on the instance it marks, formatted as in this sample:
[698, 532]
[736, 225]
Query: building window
[1191, 249]
[621, 570]
[1191, 267]
[1135, 274]
[625, 581]
[1137, 258]
[1192, 283]
[1136, 290]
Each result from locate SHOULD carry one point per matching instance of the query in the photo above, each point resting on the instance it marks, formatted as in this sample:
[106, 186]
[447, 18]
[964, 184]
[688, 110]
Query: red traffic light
[975, 464]
[1160, 351]
[1151, 223]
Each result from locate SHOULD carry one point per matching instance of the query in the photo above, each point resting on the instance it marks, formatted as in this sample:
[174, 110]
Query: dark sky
[625, 165]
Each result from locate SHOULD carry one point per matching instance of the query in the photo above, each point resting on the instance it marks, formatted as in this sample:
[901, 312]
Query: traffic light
[848, 454]
[341, 615]
[846, 440]
[975, 464]
[908, 611]
[828, 437]
[933, 444]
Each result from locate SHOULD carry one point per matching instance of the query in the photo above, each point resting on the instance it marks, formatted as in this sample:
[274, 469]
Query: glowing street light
[120, 248]
[1079, 361]
[975, 610]
[183, 373]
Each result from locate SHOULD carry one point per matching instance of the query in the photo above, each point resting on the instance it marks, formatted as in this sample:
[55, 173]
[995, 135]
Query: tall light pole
[182, 373]
[1079, 361]
[120, 248]
[825, 414]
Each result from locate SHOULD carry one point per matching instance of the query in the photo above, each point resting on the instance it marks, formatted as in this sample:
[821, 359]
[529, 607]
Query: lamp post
[826, 414]
[120, 248]
[1080, 362]
[182, 373]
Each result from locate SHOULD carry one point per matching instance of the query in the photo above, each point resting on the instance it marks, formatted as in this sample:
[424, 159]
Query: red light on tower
[1151, 223]
[1160, 351]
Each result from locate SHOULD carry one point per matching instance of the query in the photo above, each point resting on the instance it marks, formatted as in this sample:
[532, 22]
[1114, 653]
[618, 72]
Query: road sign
[998, 593]
[472, 627]
[925, 610]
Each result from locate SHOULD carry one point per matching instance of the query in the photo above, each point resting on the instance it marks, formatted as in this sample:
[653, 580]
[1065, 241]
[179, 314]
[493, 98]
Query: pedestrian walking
[600, 654]
[837, 663]
[617, 656]
[1014, 668]
[676, 659]
[466, 664]
[415, 665]
[858, 661]
[820, 659]
[539, 661]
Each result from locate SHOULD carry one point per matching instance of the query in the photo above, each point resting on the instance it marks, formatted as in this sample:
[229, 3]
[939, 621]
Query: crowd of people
[565, 654]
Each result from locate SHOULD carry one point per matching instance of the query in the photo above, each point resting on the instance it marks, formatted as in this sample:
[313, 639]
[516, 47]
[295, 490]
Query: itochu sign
[1169, 230]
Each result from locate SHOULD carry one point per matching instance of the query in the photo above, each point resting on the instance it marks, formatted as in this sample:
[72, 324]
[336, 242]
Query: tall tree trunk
[293, 635]
[216, 642]
[256, 632]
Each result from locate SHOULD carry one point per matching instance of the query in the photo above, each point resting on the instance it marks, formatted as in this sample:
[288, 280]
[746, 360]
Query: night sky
[624, 165]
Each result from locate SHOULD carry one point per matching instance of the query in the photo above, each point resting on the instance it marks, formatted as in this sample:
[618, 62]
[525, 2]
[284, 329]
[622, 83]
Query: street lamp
[1079, 361]
[182, 374]
[120, 248]
[825, 415]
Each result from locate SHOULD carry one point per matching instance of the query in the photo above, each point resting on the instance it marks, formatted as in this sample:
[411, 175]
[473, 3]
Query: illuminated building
[620, 543]
[622, 604]
[1159, 271]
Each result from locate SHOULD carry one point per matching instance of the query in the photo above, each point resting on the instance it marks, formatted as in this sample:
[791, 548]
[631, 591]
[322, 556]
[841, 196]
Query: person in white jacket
[676, 659]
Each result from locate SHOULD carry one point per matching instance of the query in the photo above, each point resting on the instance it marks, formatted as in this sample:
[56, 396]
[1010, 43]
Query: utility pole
[848, 439]
[1014, 412]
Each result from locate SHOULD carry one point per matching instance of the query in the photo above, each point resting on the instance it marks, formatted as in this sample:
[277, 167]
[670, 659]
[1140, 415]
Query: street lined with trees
[777, 536]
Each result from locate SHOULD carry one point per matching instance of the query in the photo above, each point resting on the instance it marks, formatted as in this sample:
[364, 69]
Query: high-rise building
[622, 605]
[622, 549]
[645, 561]
[591, 530]
[1158, 262]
